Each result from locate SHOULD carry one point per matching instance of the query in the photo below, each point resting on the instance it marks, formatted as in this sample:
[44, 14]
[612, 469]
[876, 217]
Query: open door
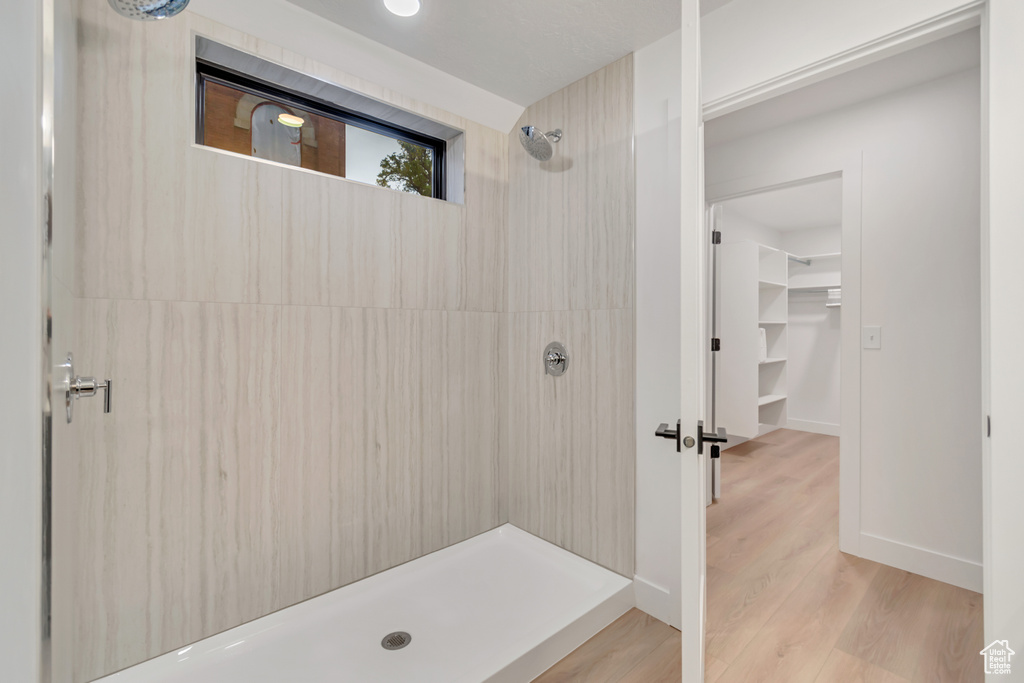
[694, 341]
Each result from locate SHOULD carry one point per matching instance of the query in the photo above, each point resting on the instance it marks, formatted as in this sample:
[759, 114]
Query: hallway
[785, 605]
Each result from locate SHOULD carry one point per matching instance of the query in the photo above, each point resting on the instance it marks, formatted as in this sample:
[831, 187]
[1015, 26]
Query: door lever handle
[665, 433]
[710, 437]
[675, 434]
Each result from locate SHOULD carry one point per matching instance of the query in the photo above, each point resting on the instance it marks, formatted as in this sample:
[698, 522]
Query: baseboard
[946, 568]
[656, 601]
[813, 427]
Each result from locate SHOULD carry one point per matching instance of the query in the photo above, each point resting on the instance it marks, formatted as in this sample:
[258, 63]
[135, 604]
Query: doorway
[906, 157]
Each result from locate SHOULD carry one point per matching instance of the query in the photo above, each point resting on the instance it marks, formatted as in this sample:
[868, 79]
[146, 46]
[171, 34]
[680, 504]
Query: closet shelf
[768, 361]
[808, 288]
[771, 322]
[770, 398]
[835, 254]
[768, 284]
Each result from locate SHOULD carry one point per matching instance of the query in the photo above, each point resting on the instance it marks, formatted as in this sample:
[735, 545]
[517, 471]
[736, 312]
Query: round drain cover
[396, 640]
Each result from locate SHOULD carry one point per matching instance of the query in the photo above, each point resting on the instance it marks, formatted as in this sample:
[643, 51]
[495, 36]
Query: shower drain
[396, 640]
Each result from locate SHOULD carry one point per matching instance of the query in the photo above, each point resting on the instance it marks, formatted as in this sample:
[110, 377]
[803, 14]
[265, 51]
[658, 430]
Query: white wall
[737, 228]
[786, 35]
[828, 240]
[20, 401]
[813, 367]
[1004, 470]
[658, 99]
[293, 28]
[920, 469]
[815, 347]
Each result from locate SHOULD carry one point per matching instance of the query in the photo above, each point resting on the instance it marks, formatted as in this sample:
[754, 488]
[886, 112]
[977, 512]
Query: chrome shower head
[537, 144]
[148, 10]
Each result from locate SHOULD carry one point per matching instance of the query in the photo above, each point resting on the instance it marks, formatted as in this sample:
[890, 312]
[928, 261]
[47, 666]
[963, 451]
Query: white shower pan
[501, 607]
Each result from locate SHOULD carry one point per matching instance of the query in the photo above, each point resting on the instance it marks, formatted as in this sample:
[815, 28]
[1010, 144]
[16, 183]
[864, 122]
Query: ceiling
[940, 58]
[813, 205]
[521, 51]
[707, 6]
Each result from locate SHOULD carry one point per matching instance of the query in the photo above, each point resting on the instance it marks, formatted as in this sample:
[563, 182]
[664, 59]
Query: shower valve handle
[83, 387]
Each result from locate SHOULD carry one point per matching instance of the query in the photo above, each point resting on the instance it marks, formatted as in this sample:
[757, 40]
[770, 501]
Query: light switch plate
[871, 337]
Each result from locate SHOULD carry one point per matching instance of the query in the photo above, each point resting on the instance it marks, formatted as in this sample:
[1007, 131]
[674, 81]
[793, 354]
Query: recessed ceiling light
[403, 8]
[291, 120]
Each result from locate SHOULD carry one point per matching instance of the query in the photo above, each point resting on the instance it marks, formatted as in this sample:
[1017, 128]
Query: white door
[694, 341]
[1003, 327]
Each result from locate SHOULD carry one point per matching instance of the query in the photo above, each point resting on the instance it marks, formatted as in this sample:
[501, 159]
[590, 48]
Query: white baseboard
[946, 568]
[813, 427]
[657, 601]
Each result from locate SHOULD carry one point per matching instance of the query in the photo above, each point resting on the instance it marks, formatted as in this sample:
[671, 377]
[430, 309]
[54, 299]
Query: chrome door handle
[83, 387]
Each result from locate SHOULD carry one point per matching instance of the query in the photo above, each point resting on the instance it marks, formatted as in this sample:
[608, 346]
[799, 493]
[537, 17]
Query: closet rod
[805, 261]
[815, 290]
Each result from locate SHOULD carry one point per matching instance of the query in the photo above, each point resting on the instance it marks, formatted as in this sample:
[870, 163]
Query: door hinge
[716, 344]
[716, 237]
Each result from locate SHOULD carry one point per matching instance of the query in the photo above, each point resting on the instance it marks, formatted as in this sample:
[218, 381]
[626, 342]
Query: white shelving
[754, 294]
[817, 257]
[822, 272]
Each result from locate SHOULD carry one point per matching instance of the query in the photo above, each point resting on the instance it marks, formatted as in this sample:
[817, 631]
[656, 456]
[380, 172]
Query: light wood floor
[783, 603]
[636, 648]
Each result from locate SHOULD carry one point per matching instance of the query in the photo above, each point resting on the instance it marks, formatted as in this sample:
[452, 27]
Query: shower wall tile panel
[400, 393]
[310, 374]
[163, 219]
[178, 483]
[571, 444]
[571, 471]
[571, 218]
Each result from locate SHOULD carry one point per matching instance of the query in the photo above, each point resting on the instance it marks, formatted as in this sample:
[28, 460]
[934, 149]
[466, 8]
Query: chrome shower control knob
[556, 359]
[76, 387]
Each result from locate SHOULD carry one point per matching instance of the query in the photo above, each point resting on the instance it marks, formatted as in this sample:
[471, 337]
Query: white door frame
[849, 169]
[1002, 287]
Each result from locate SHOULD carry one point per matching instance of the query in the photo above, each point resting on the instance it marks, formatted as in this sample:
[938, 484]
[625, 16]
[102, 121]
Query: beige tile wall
[317, 380]
[310, 373]
[571, 444]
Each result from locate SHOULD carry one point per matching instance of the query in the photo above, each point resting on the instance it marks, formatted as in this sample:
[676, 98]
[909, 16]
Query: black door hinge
[716, 237]
[716, 344]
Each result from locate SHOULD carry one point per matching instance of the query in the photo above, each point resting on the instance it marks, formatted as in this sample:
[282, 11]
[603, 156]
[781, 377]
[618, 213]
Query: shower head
[537, 144]
[148, 10]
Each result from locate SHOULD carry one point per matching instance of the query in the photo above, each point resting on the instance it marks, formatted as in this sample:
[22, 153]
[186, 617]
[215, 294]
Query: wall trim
[929, 563]
[654, 600]
[826, 428]
[936, 28]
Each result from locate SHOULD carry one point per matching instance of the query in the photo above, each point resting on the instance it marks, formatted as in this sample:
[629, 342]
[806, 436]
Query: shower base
[501, 607]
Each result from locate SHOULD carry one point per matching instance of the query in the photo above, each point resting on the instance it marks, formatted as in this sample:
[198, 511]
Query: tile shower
[321, 380]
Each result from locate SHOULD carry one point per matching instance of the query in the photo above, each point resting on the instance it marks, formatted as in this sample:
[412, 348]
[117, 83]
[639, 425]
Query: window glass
[272, 139]
[374, 158]
[242, 121]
